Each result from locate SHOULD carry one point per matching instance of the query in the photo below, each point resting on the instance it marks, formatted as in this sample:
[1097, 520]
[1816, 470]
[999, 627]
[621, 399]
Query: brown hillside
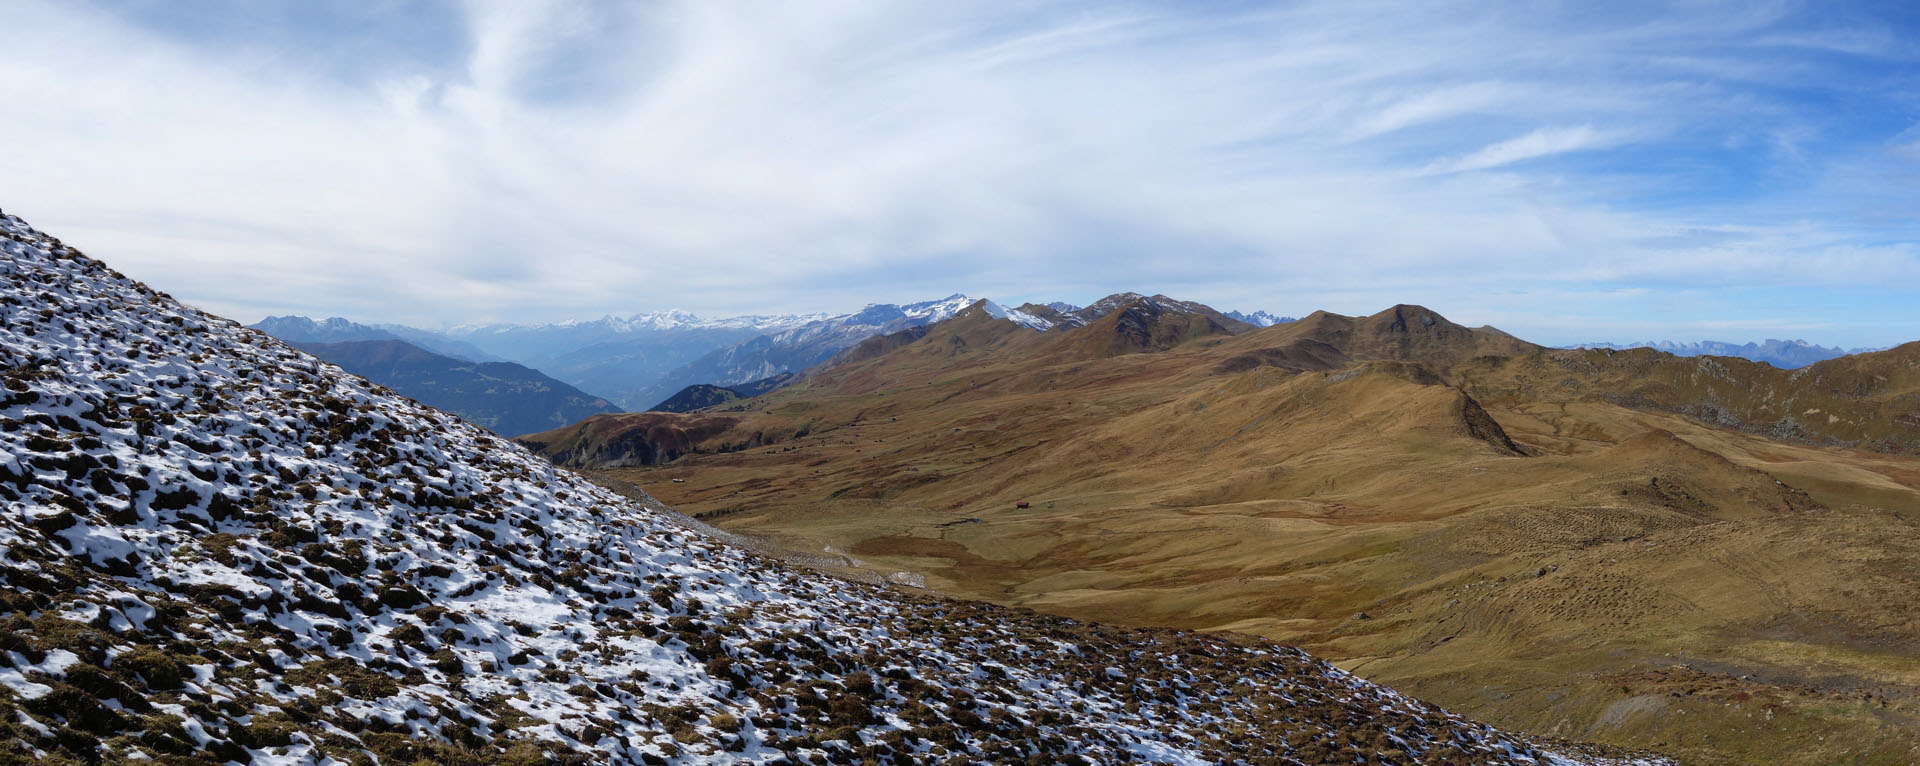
[1048, 313]
[1402, 333]
[1869, 401]
[618, 440]
[1145, 325]
[1482, 522]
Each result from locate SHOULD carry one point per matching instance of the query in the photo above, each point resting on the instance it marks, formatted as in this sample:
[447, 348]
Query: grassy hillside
[219, 549]
[1435, 506]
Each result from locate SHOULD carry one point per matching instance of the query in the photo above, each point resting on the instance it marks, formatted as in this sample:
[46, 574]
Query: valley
[220, 549]
[1431, 506]
[689, 383]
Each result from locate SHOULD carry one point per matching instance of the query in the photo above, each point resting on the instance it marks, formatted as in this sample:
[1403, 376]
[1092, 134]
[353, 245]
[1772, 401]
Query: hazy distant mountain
[1785, 354]
[626, 369]
[502, 396]
[636, 361]
[1260, 318]
[622, 358]
[799, 347]
[540, 345]
[299, 329]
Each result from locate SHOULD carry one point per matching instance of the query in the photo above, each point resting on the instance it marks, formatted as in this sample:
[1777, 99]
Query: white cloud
[1543, 142]
[1438, 104]
[574, 159]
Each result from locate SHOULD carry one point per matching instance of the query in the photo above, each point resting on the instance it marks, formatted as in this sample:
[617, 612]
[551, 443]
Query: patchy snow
[1260, 318]
[237, 549]
[1017, 316]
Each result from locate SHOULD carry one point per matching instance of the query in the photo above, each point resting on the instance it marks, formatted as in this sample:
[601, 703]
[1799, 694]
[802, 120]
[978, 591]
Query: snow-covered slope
[217, 546]
[1024, 319]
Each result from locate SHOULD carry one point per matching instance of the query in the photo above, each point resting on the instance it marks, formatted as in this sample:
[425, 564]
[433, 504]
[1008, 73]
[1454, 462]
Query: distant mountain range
[794, 348]
[1260, 318]
[299, 329]
[221, 550]
[621, 359]
[626, 359]
[1785, 354]
[1497, 508]
[507, 398]
[638, 361]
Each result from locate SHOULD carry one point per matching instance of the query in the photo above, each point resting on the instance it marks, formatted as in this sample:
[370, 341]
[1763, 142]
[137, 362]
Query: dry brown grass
[1637, 578]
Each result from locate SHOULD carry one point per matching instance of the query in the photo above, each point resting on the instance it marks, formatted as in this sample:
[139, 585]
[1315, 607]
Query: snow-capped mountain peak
[1017, 316]
[1260, 318]
[935, 311]
[218, 545]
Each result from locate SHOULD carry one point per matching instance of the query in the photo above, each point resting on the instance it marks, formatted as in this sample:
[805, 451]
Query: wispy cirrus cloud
[542, 160]
[1541, 142]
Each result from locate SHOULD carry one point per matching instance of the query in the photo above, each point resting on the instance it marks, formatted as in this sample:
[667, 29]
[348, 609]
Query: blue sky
[1566, 171]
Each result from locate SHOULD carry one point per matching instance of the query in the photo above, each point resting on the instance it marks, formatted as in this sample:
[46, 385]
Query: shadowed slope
[503, 397]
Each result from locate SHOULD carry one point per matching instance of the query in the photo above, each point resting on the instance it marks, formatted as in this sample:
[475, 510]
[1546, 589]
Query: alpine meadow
[570, 382]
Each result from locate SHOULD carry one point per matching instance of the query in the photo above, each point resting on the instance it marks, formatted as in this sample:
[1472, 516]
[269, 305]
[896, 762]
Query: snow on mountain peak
[1259, 318]
[935, 311]
[218, 544]
[1017, 316]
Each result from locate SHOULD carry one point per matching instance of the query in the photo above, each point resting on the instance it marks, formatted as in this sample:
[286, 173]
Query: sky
[1567, 171]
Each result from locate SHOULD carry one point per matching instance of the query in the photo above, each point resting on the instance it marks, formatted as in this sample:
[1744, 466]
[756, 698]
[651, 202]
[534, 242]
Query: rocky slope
[220, 549]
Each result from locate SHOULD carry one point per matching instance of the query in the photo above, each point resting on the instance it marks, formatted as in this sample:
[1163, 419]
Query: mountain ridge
[703, 395]
[641, 359]
[1521, 531]
[1785, 354]
[220, 545]
[506, 398]
[300, 329]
